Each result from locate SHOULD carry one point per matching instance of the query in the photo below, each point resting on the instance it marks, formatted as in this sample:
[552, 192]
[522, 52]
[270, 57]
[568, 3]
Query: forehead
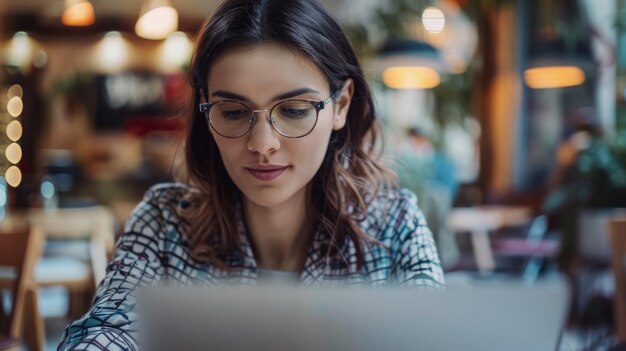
[264, 70]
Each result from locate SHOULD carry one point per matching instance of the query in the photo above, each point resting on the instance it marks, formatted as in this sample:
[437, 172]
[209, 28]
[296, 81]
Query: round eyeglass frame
[205, 108]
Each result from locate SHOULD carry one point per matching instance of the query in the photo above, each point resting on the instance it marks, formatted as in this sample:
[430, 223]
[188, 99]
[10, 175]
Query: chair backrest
[95, 223]
[19, 250]
[76, 223]
[617, 234]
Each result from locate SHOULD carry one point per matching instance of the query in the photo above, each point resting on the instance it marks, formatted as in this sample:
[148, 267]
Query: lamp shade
[409, 64]
[157, 20]
[554, 77]
[411, 77]
[557, 64]
[78, 13]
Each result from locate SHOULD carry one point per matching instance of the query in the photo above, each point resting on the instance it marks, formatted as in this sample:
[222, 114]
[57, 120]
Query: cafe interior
[507, 118]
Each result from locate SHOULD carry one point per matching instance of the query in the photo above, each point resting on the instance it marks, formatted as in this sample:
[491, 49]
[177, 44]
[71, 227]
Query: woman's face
[267, 167]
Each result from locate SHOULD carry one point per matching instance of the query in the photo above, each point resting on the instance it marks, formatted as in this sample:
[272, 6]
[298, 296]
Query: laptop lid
[505, 317]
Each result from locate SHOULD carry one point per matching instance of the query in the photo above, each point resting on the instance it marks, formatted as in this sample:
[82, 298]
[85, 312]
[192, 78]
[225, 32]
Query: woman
[281, 181]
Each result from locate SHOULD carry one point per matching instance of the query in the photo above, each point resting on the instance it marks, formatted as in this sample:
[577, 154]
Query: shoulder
[161, 204]
[165, 194]
[392, 212]
[157, 224]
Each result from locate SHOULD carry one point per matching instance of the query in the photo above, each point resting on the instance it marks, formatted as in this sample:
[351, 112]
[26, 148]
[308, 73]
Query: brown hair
[349, 176]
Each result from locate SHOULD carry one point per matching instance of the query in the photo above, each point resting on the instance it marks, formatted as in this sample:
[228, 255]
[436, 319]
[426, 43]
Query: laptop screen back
[509, 317]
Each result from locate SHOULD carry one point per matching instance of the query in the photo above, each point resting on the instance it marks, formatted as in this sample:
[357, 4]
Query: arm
[109, 324]
[414, 253]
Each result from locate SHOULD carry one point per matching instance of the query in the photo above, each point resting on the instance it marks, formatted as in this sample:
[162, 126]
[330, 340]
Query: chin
[268, 197]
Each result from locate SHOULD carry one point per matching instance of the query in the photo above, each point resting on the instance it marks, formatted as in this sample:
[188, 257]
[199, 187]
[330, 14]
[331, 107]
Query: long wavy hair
[350, 174]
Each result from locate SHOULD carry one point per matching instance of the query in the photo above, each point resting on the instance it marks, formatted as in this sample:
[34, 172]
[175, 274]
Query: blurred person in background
[589, 172]
[583, 130]
[282, 183]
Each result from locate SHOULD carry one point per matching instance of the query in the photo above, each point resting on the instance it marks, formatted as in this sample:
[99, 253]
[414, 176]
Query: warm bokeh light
[14, 153]
[554, 77]
[411, 77]
[158, 20]
[176, 50]
[15, 90]
[433, 20]
[40, 59]
[14, 130]
[113, 51]
[13, 176]
[20, 51]
[15, 106]
[78, 13]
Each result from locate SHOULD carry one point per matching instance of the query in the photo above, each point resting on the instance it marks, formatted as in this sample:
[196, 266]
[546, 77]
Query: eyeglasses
[293, 118]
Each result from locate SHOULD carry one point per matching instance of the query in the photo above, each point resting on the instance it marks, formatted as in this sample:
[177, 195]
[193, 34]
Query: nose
[263, 138]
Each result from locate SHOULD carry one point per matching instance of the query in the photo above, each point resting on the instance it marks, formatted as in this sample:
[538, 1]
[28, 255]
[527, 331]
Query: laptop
[504, 317]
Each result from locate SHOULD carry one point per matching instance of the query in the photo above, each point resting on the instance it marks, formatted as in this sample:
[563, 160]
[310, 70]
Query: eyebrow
[287, 95]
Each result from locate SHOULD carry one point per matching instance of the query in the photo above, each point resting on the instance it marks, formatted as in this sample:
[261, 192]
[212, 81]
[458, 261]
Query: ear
[342, 104]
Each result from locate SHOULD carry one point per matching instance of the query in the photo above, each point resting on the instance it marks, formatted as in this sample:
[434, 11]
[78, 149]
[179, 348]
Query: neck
[280, 234]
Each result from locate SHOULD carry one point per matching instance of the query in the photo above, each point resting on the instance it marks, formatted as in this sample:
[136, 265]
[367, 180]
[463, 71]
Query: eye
[294, 113]
[295, 110]
[234, 114]
[230, 111]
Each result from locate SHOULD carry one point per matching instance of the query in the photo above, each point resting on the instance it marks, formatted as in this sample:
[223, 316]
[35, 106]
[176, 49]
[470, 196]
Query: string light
[15, 106]
[14, 130]
[13, 176]
[13, 153]
[15, 90]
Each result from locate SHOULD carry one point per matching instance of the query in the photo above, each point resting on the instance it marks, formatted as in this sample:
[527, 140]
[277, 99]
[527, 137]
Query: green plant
[598, 177]
[76, 88]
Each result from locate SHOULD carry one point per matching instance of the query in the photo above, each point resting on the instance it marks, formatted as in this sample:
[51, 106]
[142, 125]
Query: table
[479, 221]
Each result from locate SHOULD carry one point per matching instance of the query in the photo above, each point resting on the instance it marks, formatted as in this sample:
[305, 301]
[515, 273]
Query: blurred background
[506, 117]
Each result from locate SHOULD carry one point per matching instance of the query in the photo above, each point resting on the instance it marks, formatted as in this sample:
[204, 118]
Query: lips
[266, 172]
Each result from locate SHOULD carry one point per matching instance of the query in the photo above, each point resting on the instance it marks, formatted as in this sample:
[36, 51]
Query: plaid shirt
[153, 249]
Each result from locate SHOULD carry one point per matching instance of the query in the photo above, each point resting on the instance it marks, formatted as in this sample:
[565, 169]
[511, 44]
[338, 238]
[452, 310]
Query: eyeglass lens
[292, 118]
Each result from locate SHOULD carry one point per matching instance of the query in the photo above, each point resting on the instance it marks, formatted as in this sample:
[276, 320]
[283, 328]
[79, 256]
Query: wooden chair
[19, 251]
[79, 272]
[617, 234]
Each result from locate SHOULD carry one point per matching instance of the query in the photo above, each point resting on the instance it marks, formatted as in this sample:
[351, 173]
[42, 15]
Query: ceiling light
[433, 20]
[78, 13]
[411, 77]
[157, 20]
[409, 64]
[558, 64]
[554, 77]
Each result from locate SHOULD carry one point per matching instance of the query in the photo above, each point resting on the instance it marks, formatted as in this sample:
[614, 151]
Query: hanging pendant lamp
[157, 20]
[409, 64]
[78, 13]
[553, 64]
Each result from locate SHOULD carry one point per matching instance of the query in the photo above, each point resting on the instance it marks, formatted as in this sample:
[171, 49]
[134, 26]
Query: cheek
[313, 148]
